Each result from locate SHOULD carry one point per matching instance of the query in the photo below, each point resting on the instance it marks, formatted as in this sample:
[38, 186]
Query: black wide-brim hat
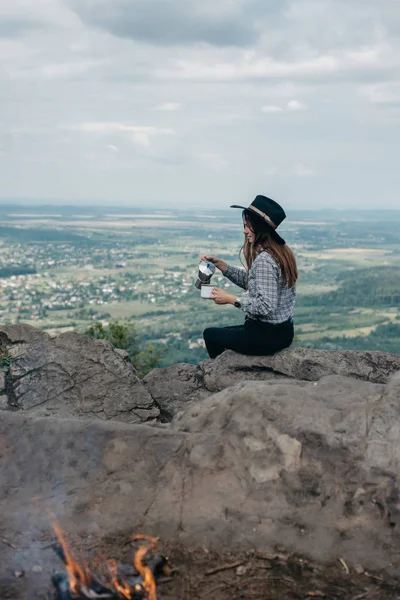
[270, 211]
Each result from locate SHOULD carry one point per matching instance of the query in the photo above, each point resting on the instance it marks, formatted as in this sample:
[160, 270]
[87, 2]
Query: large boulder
[305, 363]
[178, 387]
[71, 375]
[311, 468]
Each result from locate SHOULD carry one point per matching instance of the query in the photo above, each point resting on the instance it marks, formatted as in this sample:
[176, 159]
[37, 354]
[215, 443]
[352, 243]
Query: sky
[187, 103]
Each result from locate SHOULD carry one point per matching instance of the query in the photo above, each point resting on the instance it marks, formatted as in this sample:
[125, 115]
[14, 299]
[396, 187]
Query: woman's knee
[209, 333]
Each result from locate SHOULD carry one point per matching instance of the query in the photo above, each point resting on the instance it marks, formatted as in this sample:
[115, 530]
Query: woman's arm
[237, 275]
[264, 297]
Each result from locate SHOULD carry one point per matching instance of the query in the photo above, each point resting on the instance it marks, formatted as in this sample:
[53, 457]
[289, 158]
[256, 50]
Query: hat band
[266, 217]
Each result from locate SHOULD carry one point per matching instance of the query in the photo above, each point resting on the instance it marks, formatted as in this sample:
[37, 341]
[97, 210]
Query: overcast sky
[189, 102]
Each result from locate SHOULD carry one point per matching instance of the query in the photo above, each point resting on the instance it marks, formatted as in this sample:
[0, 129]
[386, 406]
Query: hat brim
[273, 231]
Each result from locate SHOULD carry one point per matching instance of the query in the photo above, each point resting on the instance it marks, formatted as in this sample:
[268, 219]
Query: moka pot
[206, 271]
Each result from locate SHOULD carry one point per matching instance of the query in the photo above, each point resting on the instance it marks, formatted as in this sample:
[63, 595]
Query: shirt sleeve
[264, 296]
[237, 275]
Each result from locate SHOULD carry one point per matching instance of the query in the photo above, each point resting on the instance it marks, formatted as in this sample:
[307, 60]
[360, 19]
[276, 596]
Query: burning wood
[81, 584]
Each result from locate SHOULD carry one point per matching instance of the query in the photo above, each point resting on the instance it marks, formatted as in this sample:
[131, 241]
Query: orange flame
[78, 575]
[149, 583]
[120, 585]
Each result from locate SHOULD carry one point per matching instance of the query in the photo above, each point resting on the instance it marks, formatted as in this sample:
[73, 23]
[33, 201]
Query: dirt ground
[201, 574]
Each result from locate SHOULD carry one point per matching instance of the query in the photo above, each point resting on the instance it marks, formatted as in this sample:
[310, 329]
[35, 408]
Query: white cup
[206, 289]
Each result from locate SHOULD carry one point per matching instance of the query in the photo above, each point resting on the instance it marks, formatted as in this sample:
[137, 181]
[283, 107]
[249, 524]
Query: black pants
[253, 337]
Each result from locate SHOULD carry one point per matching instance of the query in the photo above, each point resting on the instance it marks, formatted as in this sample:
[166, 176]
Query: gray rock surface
[20, 334]
[312, 468]
[72, 375]
[305, 363]
[299, 450]
[178, 387]
[301, 363]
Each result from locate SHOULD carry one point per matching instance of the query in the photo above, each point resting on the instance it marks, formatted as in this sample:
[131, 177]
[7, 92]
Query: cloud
[270, 108]
[19, 17]
[14, 28]
[301, 170]
[333, 25]
[69, 70]
[252, 66]
[383, 94]
[295, 105]
[139, 134]
[146, 82]
[271, 171]
[167, 107]
[174, 22]
[292, 105]
[215, 162]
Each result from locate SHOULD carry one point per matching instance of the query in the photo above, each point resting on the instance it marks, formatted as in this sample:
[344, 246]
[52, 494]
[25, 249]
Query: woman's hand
[218, 262]
[222, 297]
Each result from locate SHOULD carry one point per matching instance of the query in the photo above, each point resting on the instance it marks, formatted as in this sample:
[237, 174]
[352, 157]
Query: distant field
[309, 223]
[353, 323]
[354, 256]
[314, 288]
[128, 223]
[126, 310]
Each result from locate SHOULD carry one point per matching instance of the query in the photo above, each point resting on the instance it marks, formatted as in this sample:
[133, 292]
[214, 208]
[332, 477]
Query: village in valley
[68, 270]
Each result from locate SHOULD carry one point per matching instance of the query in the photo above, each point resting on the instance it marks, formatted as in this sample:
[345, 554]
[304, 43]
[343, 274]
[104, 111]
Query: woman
[269, 279]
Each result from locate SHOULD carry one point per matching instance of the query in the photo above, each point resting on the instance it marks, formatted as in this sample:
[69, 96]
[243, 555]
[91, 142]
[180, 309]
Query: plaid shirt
[268, 298]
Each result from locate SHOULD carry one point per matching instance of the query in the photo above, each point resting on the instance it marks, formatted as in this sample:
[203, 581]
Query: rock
[302, 364]
[394, 381]
[19, 573]
[4, 402]
[17, 337]
[182, 385]
[312, 469]
[297, 452]
[175, 388]
[304, 453]
[74, 375]
[92, 475]
[125, 356]
[21, 334]
[2, 381]
[230, 368]
[37, 569]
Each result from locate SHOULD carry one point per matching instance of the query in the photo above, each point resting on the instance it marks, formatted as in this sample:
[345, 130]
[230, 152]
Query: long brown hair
[264, 240]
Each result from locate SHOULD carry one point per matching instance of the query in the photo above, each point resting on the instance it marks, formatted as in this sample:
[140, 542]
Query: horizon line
[44, 204]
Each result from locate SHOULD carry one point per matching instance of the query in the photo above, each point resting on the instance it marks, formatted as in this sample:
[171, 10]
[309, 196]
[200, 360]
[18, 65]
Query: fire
[119, 584]
[78, 575]
[149, 583]
[82, 583]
